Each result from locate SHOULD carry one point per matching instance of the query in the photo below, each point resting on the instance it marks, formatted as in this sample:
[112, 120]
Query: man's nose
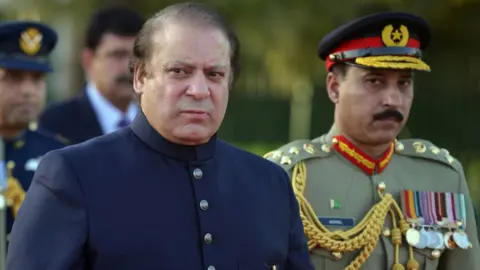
[393, 98]
[198, 88]
[27, 87]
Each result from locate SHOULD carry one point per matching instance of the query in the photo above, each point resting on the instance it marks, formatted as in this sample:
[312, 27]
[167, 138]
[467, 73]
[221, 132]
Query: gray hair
[196, 13]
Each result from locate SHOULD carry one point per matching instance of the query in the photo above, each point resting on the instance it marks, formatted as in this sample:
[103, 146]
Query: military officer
[24, 49]
[368, 200]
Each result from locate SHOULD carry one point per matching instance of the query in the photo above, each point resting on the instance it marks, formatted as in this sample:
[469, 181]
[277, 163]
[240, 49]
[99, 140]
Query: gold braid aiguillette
[363, 236]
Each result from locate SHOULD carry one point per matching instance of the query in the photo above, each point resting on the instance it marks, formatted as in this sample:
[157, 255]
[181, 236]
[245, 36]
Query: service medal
[461, 239]
[449, 243]
[413, 237]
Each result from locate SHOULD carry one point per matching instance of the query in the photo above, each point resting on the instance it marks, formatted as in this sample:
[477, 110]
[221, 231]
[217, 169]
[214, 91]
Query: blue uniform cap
[391, 40]
[26, 45]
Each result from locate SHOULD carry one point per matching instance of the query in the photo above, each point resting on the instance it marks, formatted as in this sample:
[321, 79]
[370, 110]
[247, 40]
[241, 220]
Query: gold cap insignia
[395, 37]
[31, 41]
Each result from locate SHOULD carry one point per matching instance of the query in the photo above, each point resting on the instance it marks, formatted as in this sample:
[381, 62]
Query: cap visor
[393, 62]
[25, 66]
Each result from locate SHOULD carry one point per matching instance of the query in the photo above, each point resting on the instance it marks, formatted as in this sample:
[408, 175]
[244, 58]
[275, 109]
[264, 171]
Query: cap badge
[31, 41]
[395, 36]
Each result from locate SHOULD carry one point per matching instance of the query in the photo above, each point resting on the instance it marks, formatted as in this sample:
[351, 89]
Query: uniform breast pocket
[323, 259]
[243, 265]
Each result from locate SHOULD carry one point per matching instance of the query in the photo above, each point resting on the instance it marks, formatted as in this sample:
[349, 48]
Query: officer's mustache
[124, 79]
[388, 114]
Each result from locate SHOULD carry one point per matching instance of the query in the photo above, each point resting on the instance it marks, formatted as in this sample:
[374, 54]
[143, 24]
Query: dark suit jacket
[132, 200]
[73, 119]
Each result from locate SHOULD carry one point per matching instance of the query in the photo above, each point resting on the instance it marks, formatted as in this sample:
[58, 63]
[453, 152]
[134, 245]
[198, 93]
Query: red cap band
[363, 43]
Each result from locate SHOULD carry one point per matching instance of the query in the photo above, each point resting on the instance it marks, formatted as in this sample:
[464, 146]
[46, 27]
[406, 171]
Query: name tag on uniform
[337, 221]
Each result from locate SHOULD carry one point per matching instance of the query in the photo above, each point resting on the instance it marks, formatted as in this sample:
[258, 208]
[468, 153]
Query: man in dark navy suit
[25, 47]
[165, 192]
[107, 102]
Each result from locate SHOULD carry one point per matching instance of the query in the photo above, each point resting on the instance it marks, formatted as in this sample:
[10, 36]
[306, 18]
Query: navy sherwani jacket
[131, 200]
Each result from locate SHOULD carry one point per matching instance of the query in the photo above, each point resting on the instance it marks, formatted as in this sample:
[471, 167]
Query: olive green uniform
[335, 188]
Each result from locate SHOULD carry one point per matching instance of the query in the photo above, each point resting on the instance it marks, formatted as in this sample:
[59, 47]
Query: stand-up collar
[359, 158]
[354, 154]
[144, 130]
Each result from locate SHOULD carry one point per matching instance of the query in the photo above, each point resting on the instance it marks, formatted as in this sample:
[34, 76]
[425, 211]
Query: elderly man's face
[372, 105]
[185, 92]
[22, 97]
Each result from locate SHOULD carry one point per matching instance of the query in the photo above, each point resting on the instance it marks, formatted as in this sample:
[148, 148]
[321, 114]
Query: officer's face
[22, 96]
[372, 105]
[185, 91]
[107, 66]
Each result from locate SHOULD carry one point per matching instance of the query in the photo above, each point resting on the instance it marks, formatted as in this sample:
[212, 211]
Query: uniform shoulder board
[57, 138]
[427, 150]
[296, 151]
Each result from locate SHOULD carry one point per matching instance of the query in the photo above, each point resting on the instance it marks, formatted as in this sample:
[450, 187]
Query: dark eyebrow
[218, 67]
[189, 65]
[373, 73]
[407, 75]
[403, 75]
[176, 63]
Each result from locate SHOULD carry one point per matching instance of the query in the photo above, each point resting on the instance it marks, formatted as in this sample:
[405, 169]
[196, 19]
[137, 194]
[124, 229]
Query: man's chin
[194, 134]
[18, 123]
[126, 95]
[384, 137]
[125, 91]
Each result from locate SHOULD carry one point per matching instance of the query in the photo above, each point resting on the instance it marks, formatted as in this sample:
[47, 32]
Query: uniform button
[337, 255]
[197, 173]
[203, 205]
[211, 267]
[207, 238]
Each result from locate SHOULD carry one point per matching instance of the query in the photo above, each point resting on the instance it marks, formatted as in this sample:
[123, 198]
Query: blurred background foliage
[281, 92]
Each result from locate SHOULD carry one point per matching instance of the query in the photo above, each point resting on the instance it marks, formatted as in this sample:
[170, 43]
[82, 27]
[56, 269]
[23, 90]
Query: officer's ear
[334, 78]
[333, 85]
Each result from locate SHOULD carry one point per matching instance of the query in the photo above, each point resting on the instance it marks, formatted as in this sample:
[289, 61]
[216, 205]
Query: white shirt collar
[107, 114]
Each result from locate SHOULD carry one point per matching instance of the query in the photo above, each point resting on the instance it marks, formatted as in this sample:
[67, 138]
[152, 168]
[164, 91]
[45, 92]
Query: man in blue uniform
[24, 49]
[165, 192]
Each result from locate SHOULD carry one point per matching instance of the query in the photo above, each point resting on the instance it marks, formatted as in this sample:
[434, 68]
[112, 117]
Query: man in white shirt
[108, 115]
[107, 102]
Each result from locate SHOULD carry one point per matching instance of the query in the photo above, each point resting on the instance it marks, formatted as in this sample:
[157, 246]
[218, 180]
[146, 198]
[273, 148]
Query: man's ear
[333, 86]
[138, 78]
